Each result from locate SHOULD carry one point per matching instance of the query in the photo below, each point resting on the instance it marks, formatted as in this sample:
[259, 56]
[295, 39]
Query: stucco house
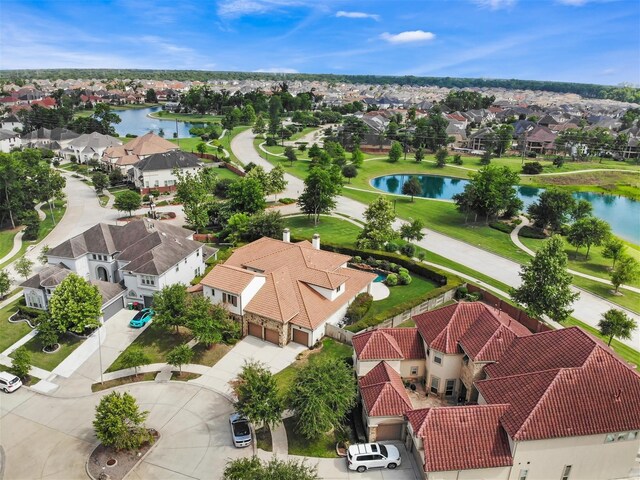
[54, 139]
[11, 123]
[156, 172]
[142, 256]
[283, 291]
[127, 155]
[89, 146]
[9, 140]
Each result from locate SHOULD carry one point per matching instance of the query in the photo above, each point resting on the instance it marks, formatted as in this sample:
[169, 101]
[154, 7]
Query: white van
[9, 383]
[363, 456]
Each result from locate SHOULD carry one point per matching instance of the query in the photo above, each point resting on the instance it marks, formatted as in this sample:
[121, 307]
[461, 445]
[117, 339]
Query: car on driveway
[363, 456]
[141, 318]
[9, 382]
[240, 430]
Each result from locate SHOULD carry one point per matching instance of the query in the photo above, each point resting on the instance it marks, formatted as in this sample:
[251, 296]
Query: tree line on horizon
[621, 93]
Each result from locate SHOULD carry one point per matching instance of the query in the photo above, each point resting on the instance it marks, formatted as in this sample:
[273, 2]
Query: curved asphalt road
[588, 308]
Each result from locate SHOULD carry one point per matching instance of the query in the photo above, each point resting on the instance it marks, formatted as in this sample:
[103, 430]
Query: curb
[86, 464]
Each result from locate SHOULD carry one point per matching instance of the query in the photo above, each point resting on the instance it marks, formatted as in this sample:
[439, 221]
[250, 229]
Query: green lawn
[630, 300]
[401, 293]
[186, 117]
[330, 349]
[10, 333]
[60, 206]
[49, 361]
[323, 447]
[302, 133]
[335, 230]
[6, 241]
[226, 173]
[141, 377]
[209, 356]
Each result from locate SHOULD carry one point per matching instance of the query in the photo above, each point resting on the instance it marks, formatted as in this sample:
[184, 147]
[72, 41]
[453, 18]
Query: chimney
[316, 241]
[286, 235]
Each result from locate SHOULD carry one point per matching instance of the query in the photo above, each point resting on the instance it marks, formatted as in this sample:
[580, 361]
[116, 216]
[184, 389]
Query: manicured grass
[6, 240]
[401, 293]
[59, 207]
[263, 439]
[49, 361]
[302, 133]
[630, 300]
[10, 333]
[142, 377]
[613, 183]
[335, 230]
[627, 353]
[190, 145]
[186, 117]
[209, 356]
[184, 376]
[330, 349]
[595, 265]
[226, 173]
[156, 342]
[323, 447]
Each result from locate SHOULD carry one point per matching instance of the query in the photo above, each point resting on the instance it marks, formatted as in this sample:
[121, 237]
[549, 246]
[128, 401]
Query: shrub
[385, 265]
[530, 232]
[357, 259]
[408, 249]
[359, 307]
[391, 247]
[558, 161]
[155, 193]
[532, 154]
[404, 278]
[371, 261]
[394, 267]
[271, 142]
[231, 332]
[145, 198]
[532, 168]
[457, 159]
[222, 187]
[392, 280]
[287, 200]
[461, 292]
[402, 270]
[503, 227]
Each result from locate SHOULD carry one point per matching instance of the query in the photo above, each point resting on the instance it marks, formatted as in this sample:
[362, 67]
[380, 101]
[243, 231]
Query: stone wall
[283, 330]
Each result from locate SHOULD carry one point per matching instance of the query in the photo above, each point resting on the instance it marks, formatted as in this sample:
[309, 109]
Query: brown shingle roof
[389, 344]
[228, 278]
[149, 144]
[383, 393]
[599, 397]
[462, 438]
[49, 276]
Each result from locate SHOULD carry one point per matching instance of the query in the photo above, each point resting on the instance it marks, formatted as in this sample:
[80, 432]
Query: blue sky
[592, 41]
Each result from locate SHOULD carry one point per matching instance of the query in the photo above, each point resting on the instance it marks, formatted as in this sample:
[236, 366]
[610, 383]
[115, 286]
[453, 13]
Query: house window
[94, 256]
[198, 253]
[465, 360]
[632, 435]
[609, 438]
[523, 474]
[566, 472]
[177, 268]
[621, 436]
[147, 280]
[156, 183]
[414, 370]
[437, 359]
[339, 289]
[228, 298]
[435, 384]
[449, 387]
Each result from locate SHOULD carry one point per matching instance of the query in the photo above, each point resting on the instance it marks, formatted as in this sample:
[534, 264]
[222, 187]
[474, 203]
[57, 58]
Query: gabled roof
[230, 279]
[168, 161]
[462, 438]
[389, 344]
[383, 393]
[490, 335]
[94, 141]
[443, 328]
[601, 396]
[149, 144]
[49, 276]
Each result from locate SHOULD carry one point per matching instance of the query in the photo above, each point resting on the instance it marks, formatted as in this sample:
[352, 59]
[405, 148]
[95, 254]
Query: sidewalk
[17, 245]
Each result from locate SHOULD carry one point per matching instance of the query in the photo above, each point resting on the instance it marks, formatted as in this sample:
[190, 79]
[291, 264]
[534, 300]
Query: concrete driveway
[46, 437]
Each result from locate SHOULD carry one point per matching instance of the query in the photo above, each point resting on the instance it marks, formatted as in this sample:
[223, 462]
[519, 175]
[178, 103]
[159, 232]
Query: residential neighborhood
[305, 240]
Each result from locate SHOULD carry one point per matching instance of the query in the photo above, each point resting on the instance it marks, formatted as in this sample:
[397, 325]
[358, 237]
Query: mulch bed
[100, 459]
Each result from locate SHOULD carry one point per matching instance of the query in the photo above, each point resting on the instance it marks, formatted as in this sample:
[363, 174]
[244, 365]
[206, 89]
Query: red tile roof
[462, 438]
[601, 396]
[383, 393]
[490, 335]
[564, 348]
[443, 328]
[389, 344]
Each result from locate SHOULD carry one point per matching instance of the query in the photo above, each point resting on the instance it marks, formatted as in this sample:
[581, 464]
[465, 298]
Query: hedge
[503, 227]
[529, 232]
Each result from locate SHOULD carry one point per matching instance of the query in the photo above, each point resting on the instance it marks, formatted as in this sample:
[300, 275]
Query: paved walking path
[589, 308]
[279, 440]
[17, 245]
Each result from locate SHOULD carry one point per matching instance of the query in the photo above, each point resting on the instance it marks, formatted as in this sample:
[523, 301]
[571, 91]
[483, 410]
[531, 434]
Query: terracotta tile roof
[462, 438]
[443, 328]
[490, 335]
[564, 348]
[383, 393]
[228, 278]
[389, 344]
[292, 270]
[599, 397]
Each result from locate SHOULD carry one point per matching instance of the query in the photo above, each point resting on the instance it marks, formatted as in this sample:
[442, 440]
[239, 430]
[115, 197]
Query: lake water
[136, 122]
[623, 214]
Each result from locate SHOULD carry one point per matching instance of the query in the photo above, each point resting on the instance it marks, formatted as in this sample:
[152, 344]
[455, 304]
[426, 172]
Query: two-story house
[283, 291]
[157, 171]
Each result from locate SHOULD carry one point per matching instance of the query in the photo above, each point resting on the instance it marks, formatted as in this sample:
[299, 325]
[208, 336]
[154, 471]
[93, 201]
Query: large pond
[137, 122]
[623, 214]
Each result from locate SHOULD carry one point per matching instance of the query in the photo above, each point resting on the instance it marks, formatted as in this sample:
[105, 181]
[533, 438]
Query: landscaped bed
[48, 361]
[263, 439]
[117, 463]
[142, 377]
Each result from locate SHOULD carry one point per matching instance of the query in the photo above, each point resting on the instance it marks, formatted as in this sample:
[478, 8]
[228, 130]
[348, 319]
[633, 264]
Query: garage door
[113, 308]
[300, 336]
[255, 330]
[271, 336]
[148, 302]
[389, 431]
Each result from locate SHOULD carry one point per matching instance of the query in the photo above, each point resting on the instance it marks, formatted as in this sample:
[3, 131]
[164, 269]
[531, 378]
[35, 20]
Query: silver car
[240, 430]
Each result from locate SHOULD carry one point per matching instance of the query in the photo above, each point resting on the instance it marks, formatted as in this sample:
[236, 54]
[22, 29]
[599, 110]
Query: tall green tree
[320, 192]
[100, 181]
[614, 248]
[206, 320]
[321, 395]
[412, 231]
[357, 157]
[23, 266]
[396, 152]
[127, 201]
[179, 356]
[552, 209]
[134, 357]
[378, 228]
[264, 224]
[195, 191]
[170, 306]
[259, 127]
[627, 270]
[546, 285]
[21, 362]
[616, 323]
[257, 394]
[151, 96]
[441, 157]
[277, 182]
[252, 468]
[412, 187]
[349, 171]
[105, 117]
[5, 283]
[588, 231]
[75, 305]
[119, 423]
[246, 196]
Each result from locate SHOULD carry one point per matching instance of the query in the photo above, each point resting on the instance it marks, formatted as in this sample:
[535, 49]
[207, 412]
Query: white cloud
[494, 4]
[408, 37]
[344, 14]
[238, 8]
[276, 70]
[573, 3]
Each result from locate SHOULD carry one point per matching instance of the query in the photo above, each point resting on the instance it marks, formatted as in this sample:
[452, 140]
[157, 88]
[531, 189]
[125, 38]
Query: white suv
[9, 383]
[363, 456]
